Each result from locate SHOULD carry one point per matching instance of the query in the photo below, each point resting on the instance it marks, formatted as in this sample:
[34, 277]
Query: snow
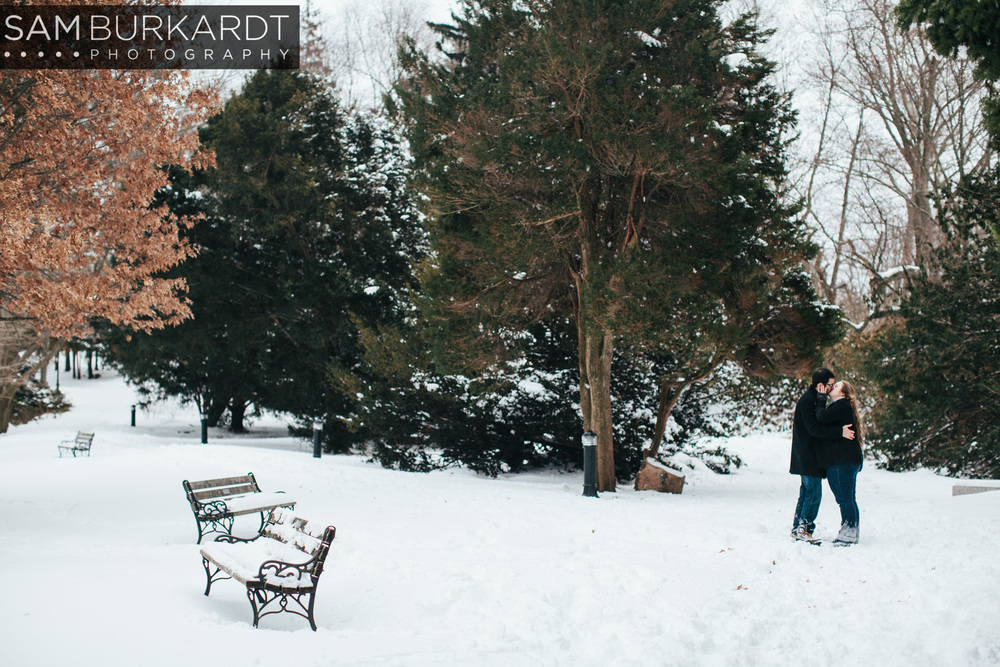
[679, 464]
[737, 60]
[255, 500]
[450, 568]
[648, 39]
[243, 560]
[896, 270]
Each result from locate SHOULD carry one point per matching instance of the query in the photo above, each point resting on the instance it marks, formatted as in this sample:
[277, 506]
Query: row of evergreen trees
[587, 227]
[306, 233]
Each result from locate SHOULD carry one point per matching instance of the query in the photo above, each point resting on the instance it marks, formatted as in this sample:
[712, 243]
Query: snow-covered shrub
[527, 414]
[33, 400]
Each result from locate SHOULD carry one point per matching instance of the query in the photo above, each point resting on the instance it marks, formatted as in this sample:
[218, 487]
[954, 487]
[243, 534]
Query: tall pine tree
[308, 233]
[935, 362]
[620, 164]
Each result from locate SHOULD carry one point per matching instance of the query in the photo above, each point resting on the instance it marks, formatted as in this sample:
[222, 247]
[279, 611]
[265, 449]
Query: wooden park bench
[965, 489]
[80, 444]
[280, 567]
[216, 502]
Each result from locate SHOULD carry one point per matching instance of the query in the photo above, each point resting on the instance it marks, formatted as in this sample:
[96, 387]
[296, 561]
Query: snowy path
[454, 569]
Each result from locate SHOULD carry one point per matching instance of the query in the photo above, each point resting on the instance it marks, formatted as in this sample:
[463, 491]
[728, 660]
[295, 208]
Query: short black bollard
[204, 428]
[133, 416]
[317, 435]
[590, 464]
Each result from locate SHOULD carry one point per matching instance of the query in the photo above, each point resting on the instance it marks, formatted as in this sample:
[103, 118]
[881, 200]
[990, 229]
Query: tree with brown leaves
[81, 156]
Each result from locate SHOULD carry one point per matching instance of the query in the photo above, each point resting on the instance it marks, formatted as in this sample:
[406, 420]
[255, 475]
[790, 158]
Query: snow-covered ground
[100, 566]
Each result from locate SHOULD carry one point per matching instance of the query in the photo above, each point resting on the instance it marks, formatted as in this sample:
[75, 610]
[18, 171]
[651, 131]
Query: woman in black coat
[842, 458]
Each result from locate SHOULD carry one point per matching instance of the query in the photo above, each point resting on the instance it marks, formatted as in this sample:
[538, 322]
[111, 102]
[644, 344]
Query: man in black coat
[805, 430]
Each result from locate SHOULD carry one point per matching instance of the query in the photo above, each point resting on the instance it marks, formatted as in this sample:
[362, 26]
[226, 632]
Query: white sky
[437, 10]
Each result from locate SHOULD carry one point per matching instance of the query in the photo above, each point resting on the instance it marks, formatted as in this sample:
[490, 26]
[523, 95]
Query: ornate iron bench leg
[264, 516]
[208, 574]
[252, 595]
[222, 526]
[312, 621]
[211, 576]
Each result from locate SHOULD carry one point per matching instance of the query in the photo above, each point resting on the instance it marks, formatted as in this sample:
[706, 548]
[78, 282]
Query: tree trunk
[923, 230]
[216, 408]
[51, 349]
[595, 394]
[237, 412]
[581, 351]
[7, 393]
[670, 393]
[10, 383]
[595, 342]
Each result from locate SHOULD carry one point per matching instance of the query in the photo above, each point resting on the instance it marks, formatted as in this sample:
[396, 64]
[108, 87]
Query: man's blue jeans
[810, 495]
[843, 482]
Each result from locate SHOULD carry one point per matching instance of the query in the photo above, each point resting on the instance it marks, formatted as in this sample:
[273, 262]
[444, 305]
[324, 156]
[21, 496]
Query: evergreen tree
[935, 365]
[209, 359]
[620, 165]
[308, 233]
[518, 416]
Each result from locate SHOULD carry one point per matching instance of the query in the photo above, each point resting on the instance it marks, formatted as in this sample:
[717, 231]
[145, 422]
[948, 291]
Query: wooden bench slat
[222, 481]
[262, 508]
[208, 494]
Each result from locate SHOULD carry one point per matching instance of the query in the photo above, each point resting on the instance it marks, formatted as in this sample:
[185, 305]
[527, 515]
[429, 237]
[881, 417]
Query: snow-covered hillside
[100, 565]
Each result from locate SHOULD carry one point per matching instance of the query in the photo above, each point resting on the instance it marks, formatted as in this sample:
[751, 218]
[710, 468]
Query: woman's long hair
[852, 397]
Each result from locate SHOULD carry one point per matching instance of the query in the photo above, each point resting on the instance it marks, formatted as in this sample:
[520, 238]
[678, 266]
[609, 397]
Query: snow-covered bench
[980, 487]
[216, 502]
[80, 444]
[282, 565]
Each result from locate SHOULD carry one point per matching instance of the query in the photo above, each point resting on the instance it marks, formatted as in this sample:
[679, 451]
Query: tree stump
[654, 476]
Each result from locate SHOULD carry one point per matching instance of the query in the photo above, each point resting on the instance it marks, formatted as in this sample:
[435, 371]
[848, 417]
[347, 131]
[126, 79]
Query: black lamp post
[317, 435]
[133, 415]
[204, 428]
[590, 464]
